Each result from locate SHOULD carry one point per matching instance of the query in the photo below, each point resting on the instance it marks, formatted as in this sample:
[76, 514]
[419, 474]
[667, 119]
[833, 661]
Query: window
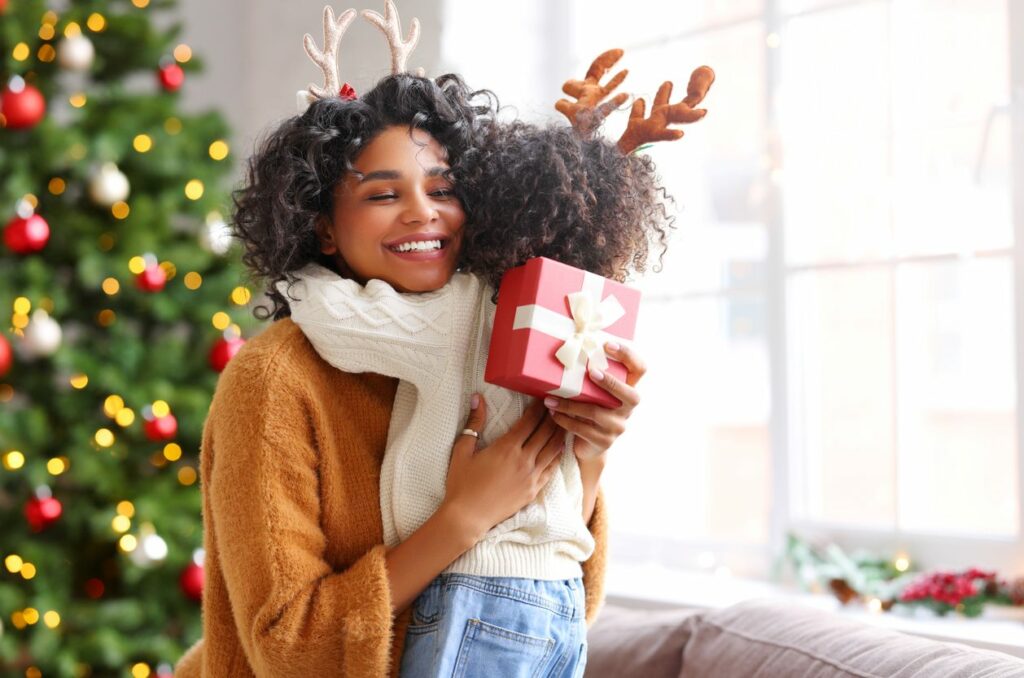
[691, 483]
[900, 314]
[832, 340]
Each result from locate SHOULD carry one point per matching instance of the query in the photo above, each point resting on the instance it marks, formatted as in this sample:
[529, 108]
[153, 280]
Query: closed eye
[442, 193]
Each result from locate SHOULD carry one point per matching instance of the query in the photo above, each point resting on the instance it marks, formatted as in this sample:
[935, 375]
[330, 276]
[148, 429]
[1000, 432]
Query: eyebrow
[391, 175]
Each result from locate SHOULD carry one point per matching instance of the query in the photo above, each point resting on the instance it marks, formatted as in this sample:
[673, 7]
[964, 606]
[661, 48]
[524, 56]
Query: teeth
[418, 246]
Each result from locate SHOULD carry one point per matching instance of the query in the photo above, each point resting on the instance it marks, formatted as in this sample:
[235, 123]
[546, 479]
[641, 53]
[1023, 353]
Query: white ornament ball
[108, 185]
[76, 53]
[151, 549]
[216, 237]
[42, 336]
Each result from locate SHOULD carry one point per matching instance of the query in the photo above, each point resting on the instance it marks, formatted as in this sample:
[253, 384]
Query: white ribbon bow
[582, 334]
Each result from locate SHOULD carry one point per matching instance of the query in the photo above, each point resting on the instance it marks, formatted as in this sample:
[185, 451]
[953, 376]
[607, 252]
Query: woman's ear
[324, 235]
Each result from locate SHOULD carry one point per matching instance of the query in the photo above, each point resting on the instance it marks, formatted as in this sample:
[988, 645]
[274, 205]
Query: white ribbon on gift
[582, 334]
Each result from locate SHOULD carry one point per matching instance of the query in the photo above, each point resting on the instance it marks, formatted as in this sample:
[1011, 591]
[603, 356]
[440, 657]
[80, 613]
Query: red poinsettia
[965, 592]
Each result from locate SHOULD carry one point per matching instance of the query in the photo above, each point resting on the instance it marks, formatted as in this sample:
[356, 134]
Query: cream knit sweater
[436, 344]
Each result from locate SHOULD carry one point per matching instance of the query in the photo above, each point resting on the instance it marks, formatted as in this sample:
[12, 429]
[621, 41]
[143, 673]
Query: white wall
[255, 62]
[522, 51]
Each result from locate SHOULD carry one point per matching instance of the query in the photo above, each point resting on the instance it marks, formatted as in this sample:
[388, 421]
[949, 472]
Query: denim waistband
[561, 596]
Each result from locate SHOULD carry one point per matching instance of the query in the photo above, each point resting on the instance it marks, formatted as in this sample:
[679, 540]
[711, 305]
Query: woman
[297, 576]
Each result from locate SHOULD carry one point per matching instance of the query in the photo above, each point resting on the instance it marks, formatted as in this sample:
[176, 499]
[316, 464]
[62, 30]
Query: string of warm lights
[13, 460]
[182, 53]
[193, 280]
[135, 539]
[16, 565]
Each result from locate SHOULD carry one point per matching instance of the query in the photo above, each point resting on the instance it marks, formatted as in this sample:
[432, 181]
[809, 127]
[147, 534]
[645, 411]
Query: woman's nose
[419, 209]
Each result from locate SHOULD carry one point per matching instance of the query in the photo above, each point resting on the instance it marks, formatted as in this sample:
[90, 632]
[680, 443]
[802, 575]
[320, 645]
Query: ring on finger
[470, 432]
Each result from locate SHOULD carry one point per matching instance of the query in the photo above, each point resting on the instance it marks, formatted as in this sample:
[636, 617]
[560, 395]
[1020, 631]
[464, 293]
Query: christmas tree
[125, 300]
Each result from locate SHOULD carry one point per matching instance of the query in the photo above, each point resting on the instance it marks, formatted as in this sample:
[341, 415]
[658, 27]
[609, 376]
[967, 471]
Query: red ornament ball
[224, 350]
[22, 109]
[25, 236]
[152, 279]
[41, 512]
[171, 77]
[3, 6]
[191, 581]
[161, 428]
[6, 356]
[94, 588]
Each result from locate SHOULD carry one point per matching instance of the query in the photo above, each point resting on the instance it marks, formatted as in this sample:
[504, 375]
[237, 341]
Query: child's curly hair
[531, 191]
[527, 190]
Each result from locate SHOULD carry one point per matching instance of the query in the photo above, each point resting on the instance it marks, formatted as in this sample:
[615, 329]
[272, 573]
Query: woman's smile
[421, 244]
[396, 218]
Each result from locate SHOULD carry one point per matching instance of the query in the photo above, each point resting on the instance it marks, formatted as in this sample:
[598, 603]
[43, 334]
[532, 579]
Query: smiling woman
[396, 216]
[355, 215]
[346, 182]
[365, 192]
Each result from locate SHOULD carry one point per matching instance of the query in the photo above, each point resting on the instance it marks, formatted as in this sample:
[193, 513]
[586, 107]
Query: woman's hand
[487, 486]
[596, 427]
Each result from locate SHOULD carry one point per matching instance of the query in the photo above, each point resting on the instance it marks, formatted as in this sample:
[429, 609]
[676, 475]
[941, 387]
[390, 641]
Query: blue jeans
[497, 627]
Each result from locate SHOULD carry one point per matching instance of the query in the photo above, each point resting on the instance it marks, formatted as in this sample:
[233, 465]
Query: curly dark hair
[527, 190]
[290, 178]
[532, 191]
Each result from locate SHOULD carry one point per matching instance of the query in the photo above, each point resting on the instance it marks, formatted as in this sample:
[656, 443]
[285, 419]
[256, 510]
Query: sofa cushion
[628, 642]
[769, 639]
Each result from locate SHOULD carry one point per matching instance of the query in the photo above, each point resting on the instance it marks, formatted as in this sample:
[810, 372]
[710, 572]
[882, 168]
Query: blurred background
[833, 339]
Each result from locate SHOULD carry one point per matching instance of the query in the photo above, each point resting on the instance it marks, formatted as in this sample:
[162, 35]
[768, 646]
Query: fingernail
[612, 346]
[474, 402]
[596, 375]
[551, 402]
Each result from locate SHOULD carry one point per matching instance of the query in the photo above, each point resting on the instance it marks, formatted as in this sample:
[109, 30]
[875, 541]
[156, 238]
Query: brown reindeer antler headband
[585, 115]
[588, 112]
[327, 58]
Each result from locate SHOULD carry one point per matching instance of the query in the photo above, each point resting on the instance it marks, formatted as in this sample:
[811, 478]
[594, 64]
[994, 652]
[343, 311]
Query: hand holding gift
[563, 333]
[596, 426]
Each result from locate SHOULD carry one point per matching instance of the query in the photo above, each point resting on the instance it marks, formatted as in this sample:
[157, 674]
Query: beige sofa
[771, 639]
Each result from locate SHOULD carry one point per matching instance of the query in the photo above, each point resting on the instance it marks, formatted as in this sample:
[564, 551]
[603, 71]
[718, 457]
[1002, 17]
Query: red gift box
[550, 327]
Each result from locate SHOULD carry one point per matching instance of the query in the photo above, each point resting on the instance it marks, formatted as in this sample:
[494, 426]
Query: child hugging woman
[370, 505]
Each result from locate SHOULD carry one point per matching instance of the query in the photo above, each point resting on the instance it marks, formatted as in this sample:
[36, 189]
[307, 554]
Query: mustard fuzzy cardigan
[290, 474]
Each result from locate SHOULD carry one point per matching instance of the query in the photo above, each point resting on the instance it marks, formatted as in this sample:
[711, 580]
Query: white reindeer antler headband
[327, 58]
